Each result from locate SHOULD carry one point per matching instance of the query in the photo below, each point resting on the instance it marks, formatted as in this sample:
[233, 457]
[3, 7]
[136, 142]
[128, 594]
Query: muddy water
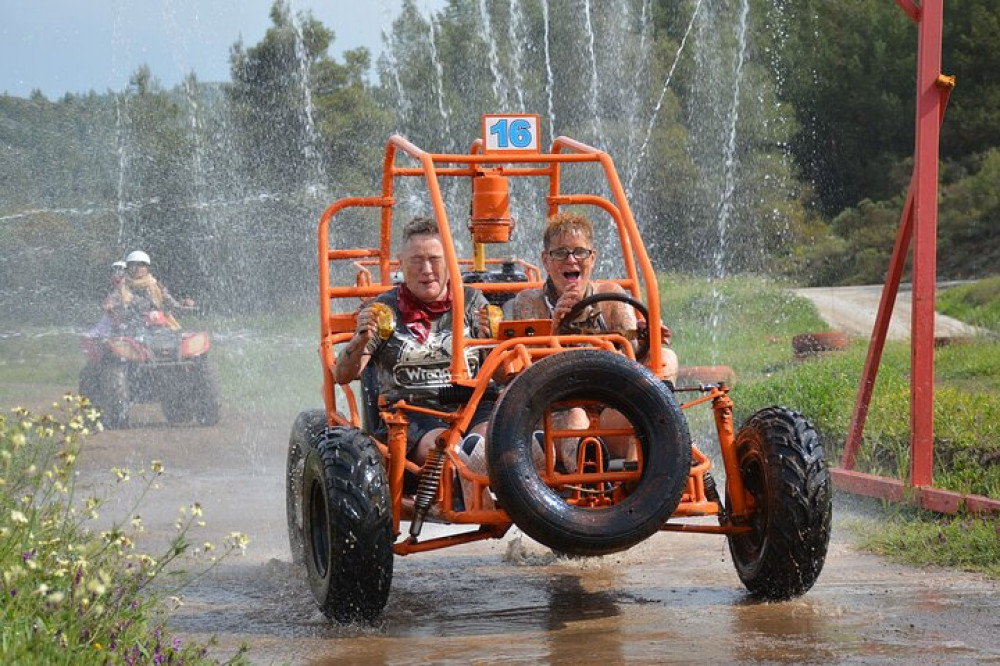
[673, 599]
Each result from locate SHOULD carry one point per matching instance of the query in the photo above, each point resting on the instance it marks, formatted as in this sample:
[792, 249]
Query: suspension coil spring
[427, 489]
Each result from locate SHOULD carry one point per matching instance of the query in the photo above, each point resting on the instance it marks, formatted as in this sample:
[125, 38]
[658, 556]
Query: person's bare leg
[566, 447]
[426, 443]
[618, 446]
[671, 365]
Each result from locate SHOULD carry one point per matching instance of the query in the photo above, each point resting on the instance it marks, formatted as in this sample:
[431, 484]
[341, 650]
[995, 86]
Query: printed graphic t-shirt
[406, 364]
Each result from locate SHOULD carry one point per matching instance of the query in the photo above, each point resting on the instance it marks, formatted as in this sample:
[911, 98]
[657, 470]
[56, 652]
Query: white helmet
[137, 257]
[118, 266]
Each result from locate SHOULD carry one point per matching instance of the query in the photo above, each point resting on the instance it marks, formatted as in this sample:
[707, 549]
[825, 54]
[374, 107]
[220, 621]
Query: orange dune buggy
[350, 485]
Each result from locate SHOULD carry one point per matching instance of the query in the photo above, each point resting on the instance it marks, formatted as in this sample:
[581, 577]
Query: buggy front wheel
[306, 434]
[347, 526]
[788, 487]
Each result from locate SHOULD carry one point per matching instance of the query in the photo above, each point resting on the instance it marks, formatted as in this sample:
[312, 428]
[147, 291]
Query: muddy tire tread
[306, 431]
[115, 401]
[791, 547]
[207, 394]
[355, 587]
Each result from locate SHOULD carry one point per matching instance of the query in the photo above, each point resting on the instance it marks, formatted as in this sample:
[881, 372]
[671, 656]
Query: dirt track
[853, 310]
[673, 599]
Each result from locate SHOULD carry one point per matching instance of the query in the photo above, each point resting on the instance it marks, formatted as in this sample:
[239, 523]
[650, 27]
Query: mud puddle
[673, 599]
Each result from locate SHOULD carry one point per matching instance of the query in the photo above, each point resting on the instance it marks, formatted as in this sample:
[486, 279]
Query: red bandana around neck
[417, 314]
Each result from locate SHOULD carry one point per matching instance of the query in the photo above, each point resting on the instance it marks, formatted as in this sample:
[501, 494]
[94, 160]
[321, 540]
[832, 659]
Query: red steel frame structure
[919, 224]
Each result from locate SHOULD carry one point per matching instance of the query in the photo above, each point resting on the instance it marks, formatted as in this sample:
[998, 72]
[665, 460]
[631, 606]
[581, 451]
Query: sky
[60, 46]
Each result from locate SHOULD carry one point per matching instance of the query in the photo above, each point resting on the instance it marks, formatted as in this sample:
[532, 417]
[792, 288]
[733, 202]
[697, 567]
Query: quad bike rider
[350, 484]
[146, 357]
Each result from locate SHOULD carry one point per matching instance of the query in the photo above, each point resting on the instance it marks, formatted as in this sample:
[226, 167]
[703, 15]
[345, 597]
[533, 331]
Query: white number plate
[511, 133]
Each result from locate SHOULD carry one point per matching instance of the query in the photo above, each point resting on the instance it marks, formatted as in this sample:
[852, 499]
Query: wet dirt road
[673, 599]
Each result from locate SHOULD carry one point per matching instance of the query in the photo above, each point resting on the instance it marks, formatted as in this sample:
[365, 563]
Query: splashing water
[515, 29]
[634, 172]
[312, 140]
[439, 72]
[594, 84]
[499, 89]
[729, 162]
[726, 206]
[548, 71]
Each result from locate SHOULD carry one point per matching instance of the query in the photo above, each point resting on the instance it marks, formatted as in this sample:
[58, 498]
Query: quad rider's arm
[353, 358]
[172, 303]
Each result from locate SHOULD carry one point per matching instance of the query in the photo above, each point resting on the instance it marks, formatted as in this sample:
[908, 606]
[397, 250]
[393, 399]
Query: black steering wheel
[568, 325]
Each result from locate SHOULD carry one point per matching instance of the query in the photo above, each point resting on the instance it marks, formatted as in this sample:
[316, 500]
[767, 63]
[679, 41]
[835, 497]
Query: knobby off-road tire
[177, 397]
[307, 431]
[206, 393]
[115, 401]
[348, 526]
[661, 429]
[781, 463]
[90, 382]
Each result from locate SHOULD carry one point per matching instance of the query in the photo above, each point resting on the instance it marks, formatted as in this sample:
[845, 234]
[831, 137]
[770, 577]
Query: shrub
[70, 593]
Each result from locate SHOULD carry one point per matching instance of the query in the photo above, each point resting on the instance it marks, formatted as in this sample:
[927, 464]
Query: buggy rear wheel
[659, 428]
[347, 526]
[306, 434]
[783, 471]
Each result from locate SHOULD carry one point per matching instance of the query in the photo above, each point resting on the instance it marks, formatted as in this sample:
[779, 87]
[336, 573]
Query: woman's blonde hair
[568, 223]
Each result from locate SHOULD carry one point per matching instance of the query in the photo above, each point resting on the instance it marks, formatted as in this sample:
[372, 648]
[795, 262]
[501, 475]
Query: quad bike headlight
[195, 344]
[127, 349]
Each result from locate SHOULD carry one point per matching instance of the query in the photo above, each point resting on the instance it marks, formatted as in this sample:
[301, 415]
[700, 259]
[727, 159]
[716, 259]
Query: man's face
[570, 270]
[424, 269]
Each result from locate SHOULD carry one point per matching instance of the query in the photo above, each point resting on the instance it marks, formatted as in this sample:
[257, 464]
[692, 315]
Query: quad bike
[350, 485]
[151, 360]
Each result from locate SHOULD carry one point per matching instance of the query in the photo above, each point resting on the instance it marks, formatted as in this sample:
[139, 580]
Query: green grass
[34, 359]
[918, 538]
[745, 323]
[755, 322]
[976, 303]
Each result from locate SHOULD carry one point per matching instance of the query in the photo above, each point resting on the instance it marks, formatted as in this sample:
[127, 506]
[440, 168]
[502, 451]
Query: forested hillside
[755, 136]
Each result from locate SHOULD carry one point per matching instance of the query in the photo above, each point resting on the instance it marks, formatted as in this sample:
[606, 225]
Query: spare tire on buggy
[618, 383]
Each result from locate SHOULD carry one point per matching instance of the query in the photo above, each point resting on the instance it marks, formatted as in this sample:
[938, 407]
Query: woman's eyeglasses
[579, 253]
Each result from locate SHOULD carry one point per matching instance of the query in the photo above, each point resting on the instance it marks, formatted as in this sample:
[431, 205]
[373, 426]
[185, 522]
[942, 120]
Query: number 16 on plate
[511, 133]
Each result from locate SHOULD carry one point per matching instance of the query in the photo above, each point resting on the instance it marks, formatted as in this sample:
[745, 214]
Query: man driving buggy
[569, 257]
[416, 356]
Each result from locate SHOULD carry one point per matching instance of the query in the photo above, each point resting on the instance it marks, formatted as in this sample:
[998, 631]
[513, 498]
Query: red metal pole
[879, 332]
[924, 243]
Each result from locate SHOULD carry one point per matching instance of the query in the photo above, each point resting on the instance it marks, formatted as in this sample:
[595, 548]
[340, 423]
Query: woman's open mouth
[572, 276]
